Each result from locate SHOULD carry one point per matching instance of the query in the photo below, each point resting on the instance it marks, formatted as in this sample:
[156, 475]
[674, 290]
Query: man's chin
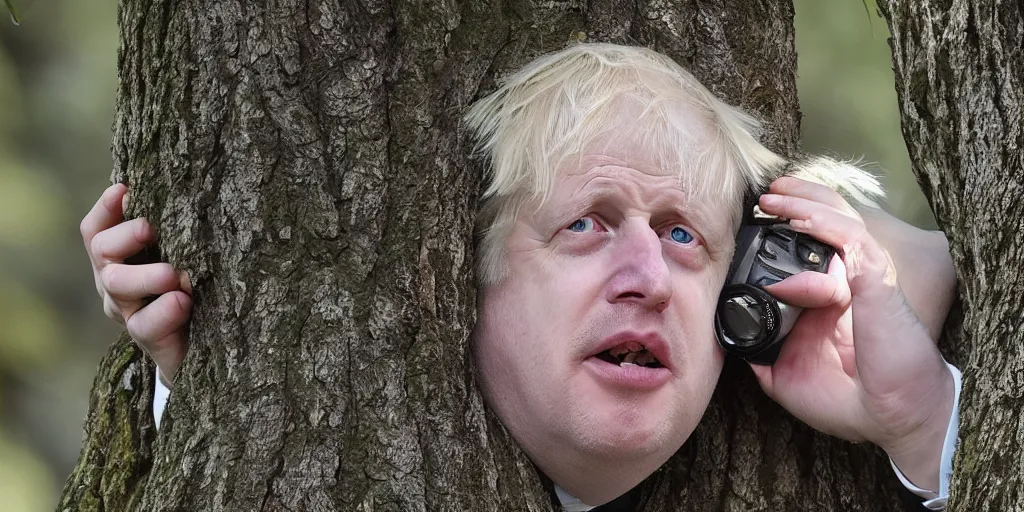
[628, 434]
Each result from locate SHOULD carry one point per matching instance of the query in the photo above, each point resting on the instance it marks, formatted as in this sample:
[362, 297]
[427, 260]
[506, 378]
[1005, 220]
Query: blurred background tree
[57, 84]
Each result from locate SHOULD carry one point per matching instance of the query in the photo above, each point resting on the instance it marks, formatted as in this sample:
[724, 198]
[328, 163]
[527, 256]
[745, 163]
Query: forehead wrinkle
[582, 196]
[603, 182]
[713, 225]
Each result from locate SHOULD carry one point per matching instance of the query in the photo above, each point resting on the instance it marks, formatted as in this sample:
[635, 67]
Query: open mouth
[630, 354]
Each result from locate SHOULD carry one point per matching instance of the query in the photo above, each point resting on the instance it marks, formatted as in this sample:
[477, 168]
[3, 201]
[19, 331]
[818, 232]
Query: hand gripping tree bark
[305, 164]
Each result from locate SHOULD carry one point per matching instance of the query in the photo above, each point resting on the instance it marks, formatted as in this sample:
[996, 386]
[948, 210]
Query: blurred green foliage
[848, 97]
[57, 83]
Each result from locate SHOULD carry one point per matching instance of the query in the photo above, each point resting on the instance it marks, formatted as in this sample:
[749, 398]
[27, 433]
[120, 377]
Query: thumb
[813, 289]
[763, 373]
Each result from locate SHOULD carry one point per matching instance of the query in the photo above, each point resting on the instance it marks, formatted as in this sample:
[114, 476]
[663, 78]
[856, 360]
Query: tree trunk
[303, 161]
[960, 79]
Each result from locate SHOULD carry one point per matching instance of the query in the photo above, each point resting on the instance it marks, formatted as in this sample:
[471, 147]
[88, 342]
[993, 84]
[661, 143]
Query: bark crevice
[959, 77]
[310, 174]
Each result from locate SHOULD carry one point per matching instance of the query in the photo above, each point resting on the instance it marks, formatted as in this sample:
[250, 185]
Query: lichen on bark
[960, 82]
[304, 162]
[112, 470]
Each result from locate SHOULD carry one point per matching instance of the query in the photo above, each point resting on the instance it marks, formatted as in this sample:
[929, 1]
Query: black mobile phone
[749, 322]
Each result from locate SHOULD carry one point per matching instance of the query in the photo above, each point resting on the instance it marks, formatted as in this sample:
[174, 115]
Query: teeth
[632, 354]
[626, 348]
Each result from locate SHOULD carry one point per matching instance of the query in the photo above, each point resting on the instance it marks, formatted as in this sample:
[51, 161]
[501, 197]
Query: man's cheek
[713, 282]
[699, 302]
[699, 299]
[563, 300]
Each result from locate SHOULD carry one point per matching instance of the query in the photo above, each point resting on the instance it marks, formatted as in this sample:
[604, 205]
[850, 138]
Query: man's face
[617, 260]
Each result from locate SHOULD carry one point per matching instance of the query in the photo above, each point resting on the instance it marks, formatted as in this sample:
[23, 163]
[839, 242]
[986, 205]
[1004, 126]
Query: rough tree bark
[960, 78]
[303, 161]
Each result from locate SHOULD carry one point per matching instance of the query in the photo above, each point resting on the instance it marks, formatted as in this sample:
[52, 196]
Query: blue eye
[680, 235]
[582, 225]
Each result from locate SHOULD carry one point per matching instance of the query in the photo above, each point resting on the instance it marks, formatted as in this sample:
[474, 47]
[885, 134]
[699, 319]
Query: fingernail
[124, 202]
[185, 282]
[769, 199]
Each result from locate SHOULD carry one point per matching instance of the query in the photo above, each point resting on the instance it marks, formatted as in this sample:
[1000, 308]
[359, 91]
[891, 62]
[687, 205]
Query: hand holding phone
[749, 322]
[857, 363]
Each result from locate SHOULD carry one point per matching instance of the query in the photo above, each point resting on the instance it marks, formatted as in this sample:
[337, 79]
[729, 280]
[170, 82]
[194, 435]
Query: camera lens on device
[741, 319]
[748, 322]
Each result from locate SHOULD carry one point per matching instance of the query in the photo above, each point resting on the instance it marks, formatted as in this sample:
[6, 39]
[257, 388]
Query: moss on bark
[303, 161]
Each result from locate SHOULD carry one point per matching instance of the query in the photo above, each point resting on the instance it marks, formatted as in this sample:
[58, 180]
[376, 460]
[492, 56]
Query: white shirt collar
[570, 503]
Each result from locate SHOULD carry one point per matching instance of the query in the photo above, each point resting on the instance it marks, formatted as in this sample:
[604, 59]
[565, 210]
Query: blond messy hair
[563, 102]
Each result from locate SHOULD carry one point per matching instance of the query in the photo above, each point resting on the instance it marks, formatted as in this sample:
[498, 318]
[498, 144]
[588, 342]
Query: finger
[763, 373]
[814, 289]
[159, 328]
[136, 282]
[796, 187]
[112, 309]
[122, 241]
[105, 213]
[814, 218]
[169, 356]
[185, 282]
[867, 264]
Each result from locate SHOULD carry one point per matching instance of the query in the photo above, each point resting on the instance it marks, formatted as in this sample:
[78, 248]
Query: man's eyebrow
[701, 213]
[592, 195]
[580, 202]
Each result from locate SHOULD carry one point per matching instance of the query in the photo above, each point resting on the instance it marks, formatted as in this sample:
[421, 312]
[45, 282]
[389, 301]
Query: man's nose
[641, 274]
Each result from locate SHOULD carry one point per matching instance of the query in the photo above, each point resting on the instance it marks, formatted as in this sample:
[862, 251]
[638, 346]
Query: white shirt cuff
[936, 500]
[160, 396]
